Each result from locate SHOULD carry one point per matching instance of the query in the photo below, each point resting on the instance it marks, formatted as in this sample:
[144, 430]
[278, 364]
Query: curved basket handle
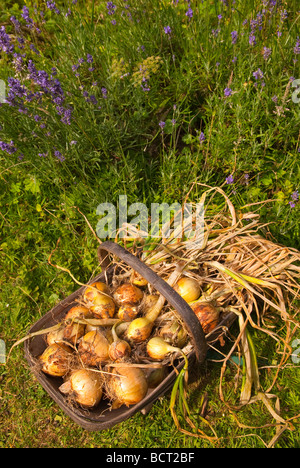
[191, 322]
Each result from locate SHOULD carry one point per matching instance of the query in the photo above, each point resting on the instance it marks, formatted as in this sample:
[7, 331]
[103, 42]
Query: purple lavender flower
[283, 15]
[89, 58]
[37, 118]
[258, 74]
[274, 98]
[8, 147]
[295, 195]
[52, 6]
[201, 137]
[189, 13]
[111, 8]
[16, 23]
[228, 92]
[234, 36]
[5, 43]
[26, 17]
[33, 48]
[267, 53]
[104, 93]
[66, 118]
[292, 204]
[229, 180]
[93, 99]
[162, 124]
[297, 47]
[167, 30]
[252, 39]
[17, 92]
[59, 156]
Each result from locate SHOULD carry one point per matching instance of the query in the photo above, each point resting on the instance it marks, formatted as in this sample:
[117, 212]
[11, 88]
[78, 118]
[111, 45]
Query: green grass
[121, 149]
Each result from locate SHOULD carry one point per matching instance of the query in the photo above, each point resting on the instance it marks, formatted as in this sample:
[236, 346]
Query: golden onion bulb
[55, 336]
[140, 329]
[56, 360]
[92, 290]
[138, 280]
[156, 376]
[158, 349]
[74, 331]
[188, 288]
[207, 314]
[103, 306]
[85, 387]
[173, 333]
[93, 348]
[127, 385]
[127, 312]
[128, 293]
[119, 350]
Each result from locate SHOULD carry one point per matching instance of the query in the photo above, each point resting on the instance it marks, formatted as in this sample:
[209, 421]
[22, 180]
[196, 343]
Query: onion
[173, 333]
[157, 348]
[56, 360]
[85, 387]
[140, 329]
[138, 280]
[156, 377]
[103, 306]
[127, 386]
[119, 349]
[207, 314]
[188, 288]
[74, 331]
[92, 291]
[93, 348]
[127, 312]
[56, 336]
[128, 293]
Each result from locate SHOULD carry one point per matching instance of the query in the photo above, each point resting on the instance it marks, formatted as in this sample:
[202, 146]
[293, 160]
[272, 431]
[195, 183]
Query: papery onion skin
[128, 385]
[128, 293]
[156, 377]
[103, 306]
[93, 348]
[119, 350]
[127, 312]
[85, 387]
[74, 331]
[92, 291]
[207, 314]
[138, 280]
[174, 334]
[188, 288]
[158, 349]
[139, 329]
[56, 336]
[56, 360]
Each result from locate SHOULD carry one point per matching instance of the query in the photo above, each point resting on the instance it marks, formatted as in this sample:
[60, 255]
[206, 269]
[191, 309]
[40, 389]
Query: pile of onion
[95, 347]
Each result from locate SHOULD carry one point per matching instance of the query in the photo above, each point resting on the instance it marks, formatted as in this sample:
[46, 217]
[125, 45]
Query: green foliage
[114, 144]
